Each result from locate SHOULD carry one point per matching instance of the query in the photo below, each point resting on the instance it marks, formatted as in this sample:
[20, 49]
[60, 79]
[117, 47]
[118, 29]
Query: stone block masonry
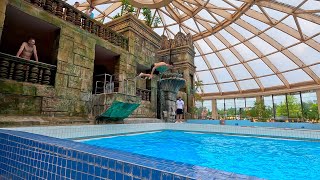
[72, 90]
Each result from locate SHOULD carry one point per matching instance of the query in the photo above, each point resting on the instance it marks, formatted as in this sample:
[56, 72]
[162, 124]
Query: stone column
[318, 99]
[214, 111]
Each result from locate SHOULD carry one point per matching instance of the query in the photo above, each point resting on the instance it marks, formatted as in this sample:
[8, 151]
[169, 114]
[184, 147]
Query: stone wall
[70, 96]
[143, 45]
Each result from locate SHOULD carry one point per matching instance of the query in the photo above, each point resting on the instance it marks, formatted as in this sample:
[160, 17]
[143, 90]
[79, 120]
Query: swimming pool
[263, 157]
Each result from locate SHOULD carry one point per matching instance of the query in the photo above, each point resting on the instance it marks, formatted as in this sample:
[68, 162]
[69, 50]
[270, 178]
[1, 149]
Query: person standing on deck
[180, 106]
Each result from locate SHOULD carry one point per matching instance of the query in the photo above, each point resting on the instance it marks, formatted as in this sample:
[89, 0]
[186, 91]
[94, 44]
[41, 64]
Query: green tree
[260, 111]
[310, 110]
[293, 107]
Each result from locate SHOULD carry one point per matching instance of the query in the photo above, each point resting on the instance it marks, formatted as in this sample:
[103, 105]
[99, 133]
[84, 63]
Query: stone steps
[17, 121]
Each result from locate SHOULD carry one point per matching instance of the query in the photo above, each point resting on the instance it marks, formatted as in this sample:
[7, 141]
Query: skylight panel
[212, 88]
[281, 37]
[216, 42]
[220, 18]
[200, 64]
[214, 60]
[258, 24]
[228, 87]
[278, 15]
[291, 2]
[248, 84]
[245, 33]
[174, 29]
[205, 15]
[309, 28]
[297, 76]
[222, 75]
[262, 46]
[197, 52]
[240, 72]
[289, 21]
[205, 77]
[256, 8]
[159, 31]
[245, 52]
[307, 54]
[270, 81]
[260, 68]
[316, 69]
[311, 5]
[204, 46]
[282, 62]
[231, 39]
[191, 24]
[229, 57]
[167, 19]
[317, 38]
[236, 2]
[201, 28]
[220, 3]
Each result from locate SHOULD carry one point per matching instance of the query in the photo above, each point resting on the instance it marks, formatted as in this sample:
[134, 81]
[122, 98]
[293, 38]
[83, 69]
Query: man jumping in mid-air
[156, 68]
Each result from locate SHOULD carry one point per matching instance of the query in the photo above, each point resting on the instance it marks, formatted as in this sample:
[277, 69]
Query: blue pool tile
[79, 166]
[85, 157]
[98, 160]
[104, 173]
[119, 176]
[73, 174]
[136, 171]
[145, 173]
[127, 168]
[136, 178]
[91, 169]
[112, 175]
[176, 177]
[166, 176]
[126, 177]
[155, 175]
[97, 171]
[84, 176]
[119, 166]
[91, 159]
[104, 162]
[112, 164]
[90, 177]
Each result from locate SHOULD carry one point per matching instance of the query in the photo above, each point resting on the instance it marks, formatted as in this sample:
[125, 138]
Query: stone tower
[181, 52]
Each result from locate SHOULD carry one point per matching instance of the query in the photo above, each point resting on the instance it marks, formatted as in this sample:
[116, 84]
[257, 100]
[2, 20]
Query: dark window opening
[105, 75]
[19, 27]
[143, 85]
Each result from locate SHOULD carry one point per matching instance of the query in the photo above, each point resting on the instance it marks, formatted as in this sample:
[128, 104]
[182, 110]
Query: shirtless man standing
[26, 50]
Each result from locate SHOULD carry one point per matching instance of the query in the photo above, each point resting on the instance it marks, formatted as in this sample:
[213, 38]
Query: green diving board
[119, 110]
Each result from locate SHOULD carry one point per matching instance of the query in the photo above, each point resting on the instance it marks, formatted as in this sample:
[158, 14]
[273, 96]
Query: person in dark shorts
[156, 68]
[180, 106]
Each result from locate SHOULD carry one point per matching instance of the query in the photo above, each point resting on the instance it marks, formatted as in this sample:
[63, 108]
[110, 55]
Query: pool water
[262, 157]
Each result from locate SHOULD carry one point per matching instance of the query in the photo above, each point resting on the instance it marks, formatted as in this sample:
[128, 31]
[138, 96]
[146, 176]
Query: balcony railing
[15, 68]
[69, 13]
[145, 94]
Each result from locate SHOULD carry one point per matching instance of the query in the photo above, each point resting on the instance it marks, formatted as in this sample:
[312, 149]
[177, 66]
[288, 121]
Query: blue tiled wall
[260, 124]
[30, 156]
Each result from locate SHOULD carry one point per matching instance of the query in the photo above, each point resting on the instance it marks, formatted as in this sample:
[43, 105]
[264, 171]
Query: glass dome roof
[241, 45]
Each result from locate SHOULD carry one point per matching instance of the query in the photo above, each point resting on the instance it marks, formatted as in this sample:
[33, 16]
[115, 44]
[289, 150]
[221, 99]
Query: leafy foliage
[259, 110]
[125, 8]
